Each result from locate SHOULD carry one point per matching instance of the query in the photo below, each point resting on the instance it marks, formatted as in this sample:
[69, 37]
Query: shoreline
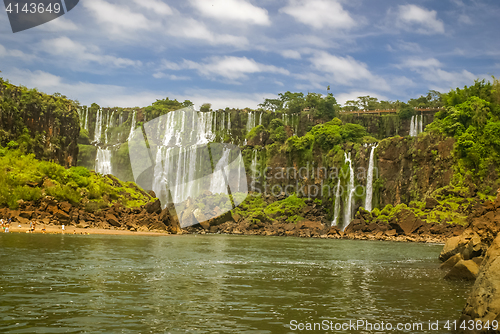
[72, 230]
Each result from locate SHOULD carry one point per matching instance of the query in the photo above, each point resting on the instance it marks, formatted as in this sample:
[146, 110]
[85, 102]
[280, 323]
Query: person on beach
[31, 227]
[63, 228]
[43, 229]
[34, 226]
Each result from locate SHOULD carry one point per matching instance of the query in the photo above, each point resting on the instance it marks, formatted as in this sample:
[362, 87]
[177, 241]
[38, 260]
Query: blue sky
[237, 52]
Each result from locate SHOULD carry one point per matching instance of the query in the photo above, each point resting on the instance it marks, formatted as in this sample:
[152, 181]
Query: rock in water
[484, 301]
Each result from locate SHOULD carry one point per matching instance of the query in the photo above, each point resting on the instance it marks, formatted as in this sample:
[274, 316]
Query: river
[217, 284]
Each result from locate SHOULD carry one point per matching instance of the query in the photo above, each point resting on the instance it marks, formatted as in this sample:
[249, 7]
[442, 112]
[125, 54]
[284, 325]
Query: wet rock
[451, 262]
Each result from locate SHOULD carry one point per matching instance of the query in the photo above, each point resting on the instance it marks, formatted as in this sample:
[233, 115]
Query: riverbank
[57, 229]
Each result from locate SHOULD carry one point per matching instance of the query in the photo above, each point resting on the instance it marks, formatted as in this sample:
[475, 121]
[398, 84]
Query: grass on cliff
[22, 177]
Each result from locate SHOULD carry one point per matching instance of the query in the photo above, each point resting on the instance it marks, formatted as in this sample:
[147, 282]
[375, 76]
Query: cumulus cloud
[319, 14]
[232, 68]
[17, 54]
[346, 70]
[79, 54]
[420, 20]
[240, 11]
[193, 29]
[431, 70]
[117, 17]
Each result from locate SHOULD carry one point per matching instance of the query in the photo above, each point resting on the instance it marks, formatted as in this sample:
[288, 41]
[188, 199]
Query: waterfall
[108, 126]
[132, 127]
[412, 126]
[416, 125]
[253, 166]
[219, 184]
[260, 118]
[98, 127]
[229, 122]
[420, 124]
[251, 121]
[369, 180]
[336, 210]
[103, 161]
[350, 192]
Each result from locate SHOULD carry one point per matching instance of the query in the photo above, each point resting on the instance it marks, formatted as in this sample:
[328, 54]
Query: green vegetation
[23, 177]
[256, 210]
[472, 117]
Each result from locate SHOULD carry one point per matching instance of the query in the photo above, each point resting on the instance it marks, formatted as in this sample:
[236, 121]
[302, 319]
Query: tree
[205, 107]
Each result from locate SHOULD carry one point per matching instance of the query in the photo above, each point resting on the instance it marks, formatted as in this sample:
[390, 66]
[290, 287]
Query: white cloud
[420, 20]
[240, 11]
[405, 46]
[79, 54]
[157, 6]
[18, 54]
[414, 63]
[232, 68]
[346, 70]
[291, 54]
[431, 70]
[117, 17]
[192, 29]
[161, 75]
[319, 14]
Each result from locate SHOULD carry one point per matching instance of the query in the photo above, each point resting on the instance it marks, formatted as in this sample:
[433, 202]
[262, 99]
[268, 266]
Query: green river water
[219, 284]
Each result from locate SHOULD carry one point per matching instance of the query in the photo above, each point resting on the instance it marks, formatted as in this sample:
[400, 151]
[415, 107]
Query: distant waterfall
[103, 161]
[260, 118]
[132, 127]
[108, 127]
[253, 166]
[416, 125]
[178, 160]
[229, 122]
[336, 209]
[369, 180]
[350, 192]
[251, 121]
[98, 127]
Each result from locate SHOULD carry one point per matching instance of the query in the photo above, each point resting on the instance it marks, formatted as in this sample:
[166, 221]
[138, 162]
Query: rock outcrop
[483, 303]
[149, 217]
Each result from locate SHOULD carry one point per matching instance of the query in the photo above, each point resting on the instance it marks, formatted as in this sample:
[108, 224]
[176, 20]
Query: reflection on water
[222, 284]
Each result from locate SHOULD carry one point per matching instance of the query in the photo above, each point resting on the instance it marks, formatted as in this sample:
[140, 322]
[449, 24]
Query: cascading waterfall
[218, 184]
[350, 192]
[369, 180]
[260, 118]
[132, 127]
[178, 159]
[229, 122]
[253, 166]
[98, 127]
[251, 121]
[103, 161]
[416, 125]
[336, 209]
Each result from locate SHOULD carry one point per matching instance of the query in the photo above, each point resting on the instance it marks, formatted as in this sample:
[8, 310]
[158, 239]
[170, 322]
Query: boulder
[483, 302]
[65, 206]
[153, 207]
[112, 220]
[450, 248]
[463, 270]
[451, 262]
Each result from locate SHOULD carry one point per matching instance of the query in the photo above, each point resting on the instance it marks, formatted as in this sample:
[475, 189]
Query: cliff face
[45, 125]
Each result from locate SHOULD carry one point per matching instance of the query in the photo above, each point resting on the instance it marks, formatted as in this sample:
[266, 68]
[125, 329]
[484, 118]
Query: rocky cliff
[46, 125]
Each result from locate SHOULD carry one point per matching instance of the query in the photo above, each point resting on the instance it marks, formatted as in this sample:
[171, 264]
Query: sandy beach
[57, 229]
